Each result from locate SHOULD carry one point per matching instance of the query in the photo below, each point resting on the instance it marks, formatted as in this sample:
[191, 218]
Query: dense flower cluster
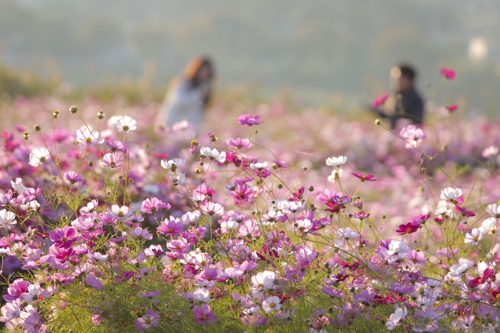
[228, 236]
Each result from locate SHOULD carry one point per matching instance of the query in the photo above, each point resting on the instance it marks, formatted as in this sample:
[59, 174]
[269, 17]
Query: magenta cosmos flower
[370, 178]
[171, 227]
[407, 228]
[448, 73]
[377, 102]
[452, 107]
[247, 119]
[64, 237]
[152, 205]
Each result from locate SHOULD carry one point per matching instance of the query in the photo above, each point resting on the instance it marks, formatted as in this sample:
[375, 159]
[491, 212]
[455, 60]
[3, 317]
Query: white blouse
[182, 103]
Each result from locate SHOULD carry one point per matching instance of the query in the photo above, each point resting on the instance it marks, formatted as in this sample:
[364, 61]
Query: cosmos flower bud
[100, 115]
[26, 135]
[37, 128]
[73, 109]
[55, 114]
[377, 122]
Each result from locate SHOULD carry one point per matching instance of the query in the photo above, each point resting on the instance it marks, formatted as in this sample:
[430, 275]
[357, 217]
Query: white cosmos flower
[33, 205]
[489, 226]
[201, 295]
[190, 217]
[264, 280]
[125, 124]
[493, 210]
[172, 164]
[179, 178]
[336, 162]
[120, 213]
[39, 156]
[474, 237]
[258, 165]
[7, 218]
[347, 233]
[336, 174]
[396, 318]
[271, 303]
[461, 266]
[451, 193]
[490, 151]
[86, 137]
[213, 154]
[398, 247]
[230, 225]
[18, 186]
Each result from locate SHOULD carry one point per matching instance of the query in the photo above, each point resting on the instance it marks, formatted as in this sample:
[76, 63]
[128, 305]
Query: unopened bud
[55, 114]
[100, 114]
[310, 188]
[197, 171]
[37, 128]
[26, 135]
[73, 109]
[377, 122]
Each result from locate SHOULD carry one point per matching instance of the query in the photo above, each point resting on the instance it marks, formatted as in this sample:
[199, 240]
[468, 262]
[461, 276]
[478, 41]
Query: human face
[403, 83]
[204, 73]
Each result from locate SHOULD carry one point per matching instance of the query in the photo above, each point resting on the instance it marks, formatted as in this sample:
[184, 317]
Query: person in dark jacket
[408, 103]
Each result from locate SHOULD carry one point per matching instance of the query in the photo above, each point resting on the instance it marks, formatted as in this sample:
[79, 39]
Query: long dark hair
[193, 67]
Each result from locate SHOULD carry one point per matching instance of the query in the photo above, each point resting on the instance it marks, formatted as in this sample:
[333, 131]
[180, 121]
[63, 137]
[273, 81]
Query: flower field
[278, 219]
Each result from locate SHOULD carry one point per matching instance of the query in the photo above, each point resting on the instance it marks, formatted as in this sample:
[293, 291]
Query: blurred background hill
[334, 52]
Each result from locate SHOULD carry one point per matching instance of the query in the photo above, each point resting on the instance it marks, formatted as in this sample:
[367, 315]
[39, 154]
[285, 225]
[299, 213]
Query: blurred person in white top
[187, 98]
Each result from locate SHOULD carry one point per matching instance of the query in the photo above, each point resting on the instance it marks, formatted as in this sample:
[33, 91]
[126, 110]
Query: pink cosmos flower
[448, 73]
[204, 315]
[64, 237]
[73, 177]
[239, 143]
[171, 227]
[61, 254]
[212, 208]
[377, 102]
[247, 119]
[304, 255]
[16, 288]
[91, 280]
[412, 135]
[112, 160]
[140, 233]
[417, 256]
[152, 205]
[33, 324]
[150, 319]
